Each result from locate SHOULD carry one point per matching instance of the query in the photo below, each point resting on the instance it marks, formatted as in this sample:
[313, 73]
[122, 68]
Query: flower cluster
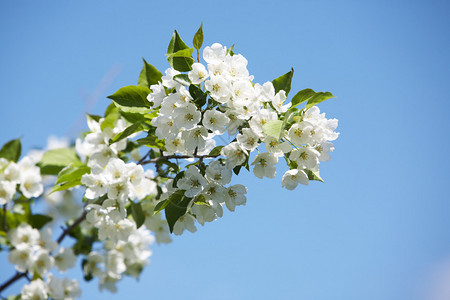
[24, 174]
[34, 252]
[244, 110]
[204, 121]
[127, 255]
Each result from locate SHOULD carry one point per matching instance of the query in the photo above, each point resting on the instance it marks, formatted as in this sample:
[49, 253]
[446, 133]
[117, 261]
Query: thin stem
[5, 226]
[71, 227]
[13, 279]
[156, 160]
[144, 157]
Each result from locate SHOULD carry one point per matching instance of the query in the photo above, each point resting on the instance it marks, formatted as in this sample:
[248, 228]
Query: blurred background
[378, 228]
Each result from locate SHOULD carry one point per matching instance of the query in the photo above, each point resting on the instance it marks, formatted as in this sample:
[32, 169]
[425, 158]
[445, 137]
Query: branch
[13, 279]
[5, 226]
[156, 160]
[71, 227]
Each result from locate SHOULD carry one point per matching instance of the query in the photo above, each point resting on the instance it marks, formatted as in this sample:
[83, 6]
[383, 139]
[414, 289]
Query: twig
[144, 157]
[13, 279]
[156, 160]
[71, 227]
[5, 226]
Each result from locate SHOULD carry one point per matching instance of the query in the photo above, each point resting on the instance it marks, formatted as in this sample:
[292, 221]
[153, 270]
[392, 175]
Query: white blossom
[158, 94]
[168, 81]
[264, 165]
[7, 191]
[215, 121]
[235, 154]
[42, 262]
[193, 182]
[185, 222]
[235, 196]
[276, 147]
[306, 157]
[248, 139]
[65, 259]
[35, 290]
[215, 53]
[293, 177]
[21, 257]
[198, 74]
[187, 117]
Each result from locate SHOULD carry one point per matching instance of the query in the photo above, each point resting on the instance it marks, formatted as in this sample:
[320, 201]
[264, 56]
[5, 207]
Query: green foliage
[178, 54]
[131, 96]
[69, 177]
[84, 240]
[311, 96]
[283, 82]
[198, 38]
[301, 97]
[11, 150]
[273, 128]
[149, 75]
[198, 95]
[21, 213]
[313, 175]
[53, 161]
[137, 213]
[318, 97]
[216, 150]
[38, 221]
[126, 133]
[182, 79]
[176, 207]
[151, 141]
[111, 116]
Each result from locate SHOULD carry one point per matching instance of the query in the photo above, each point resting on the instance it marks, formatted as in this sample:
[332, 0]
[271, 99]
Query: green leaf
[182, 79]
[38, 221]
[230, 50]
[65, 186]
[187, 53]
[137, 213]
[87, 277]
[126, 133]
[216, 150]
[14, 297]
[72, 173]
[273, 128]
[198, 38]
[151, 141]
[182, 64]
[149, 75]
[198, 96]
[53, 161]
[131, 96]
[70, 177]
[176, 208]
[93, 117]
[317, 98]
[313, 175]
[302, 96]
[11, 150]
[160, 206]
[283, 82]
[169, 164]
[111, 116]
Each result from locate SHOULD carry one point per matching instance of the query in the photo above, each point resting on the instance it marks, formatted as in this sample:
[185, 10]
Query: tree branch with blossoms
[116, 202]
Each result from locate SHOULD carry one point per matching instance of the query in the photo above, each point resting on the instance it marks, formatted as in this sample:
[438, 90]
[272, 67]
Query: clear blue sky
[379, 228]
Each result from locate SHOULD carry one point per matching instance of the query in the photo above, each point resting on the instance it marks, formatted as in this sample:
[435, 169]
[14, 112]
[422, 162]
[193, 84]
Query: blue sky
[379, 226]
